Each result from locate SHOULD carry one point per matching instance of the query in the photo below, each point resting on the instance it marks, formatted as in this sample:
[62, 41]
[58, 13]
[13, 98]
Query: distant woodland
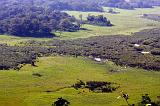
[96, 5]
[27, 19]
[41, 18]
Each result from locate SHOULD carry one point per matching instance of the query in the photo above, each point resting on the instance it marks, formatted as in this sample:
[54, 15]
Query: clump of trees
[67, 25]
[14, 57]
[99, 20]
[146, 100]
[96, 86]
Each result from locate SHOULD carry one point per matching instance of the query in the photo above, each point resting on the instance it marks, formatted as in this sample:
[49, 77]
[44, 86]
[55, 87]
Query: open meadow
[22, 88]
[125, 22]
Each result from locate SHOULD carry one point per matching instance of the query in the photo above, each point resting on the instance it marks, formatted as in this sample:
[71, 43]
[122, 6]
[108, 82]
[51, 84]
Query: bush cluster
[14, 56]
[99, 20]
[119, 49]
[96, 86]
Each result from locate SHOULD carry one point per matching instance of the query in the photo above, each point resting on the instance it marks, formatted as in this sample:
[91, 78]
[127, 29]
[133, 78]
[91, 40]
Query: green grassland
[126, 22]
[14, 40]
[21, 88]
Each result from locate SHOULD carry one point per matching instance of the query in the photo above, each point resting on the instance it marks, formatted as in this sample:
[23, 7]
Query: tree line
[96, 5]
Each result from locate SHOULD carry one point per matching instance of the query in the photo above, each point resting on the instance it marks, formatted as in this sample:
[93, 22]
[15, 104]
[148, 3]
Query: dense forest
[27, 19]
[76, 5]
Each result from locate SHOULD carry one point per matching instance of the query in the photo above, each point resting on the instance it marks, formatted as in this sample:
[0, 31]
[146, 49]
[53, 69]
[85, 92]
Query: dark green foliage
[37, 74]
[12, 57]
[116, 48]
[96, 86]
[96, 5]
[101, 86]
[25, 20]
[67, 25]
[119, 49]
[147, 100]
[61, 102]
[26, 26]
[99, 20]
[76, 5]
[126, 97]
[115, 3]
[131, 4]
[79, 84]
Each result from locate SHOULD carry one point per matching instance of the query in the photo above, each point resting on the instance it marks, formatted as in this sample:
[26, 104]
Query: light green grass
[127, 22]
[20, 88]
[14, 40]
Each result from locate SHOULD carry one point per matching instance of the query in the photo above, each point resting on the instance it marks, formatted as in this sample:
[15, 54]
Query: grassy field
[126, 22]
[21, 88]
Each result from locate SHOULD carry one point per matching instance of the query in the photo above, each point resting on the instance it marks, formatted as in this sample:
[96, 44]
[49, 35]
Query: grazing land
[126, 22]
[22, 88]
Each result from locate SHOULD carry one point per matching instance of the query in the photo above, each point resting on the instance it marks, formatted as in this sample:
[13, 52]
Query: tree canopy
[99, 20]
[30, 20]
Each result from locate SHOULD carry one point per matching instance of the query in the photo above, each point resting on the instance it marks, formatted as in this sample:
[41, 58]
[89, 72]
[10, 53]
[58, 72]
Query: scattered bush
[155, 51]
[61, 102]
[37, 74]
[146, 101]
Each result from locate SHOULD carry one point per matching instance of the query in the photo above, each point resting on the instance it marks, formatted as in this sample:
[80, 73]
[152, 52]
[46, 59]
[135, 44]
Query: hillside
[29, 20]
[79, 53]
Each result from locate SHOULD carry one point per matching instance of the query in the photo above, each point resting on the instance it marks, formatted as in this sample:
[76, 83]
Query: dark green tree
[61, 102]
